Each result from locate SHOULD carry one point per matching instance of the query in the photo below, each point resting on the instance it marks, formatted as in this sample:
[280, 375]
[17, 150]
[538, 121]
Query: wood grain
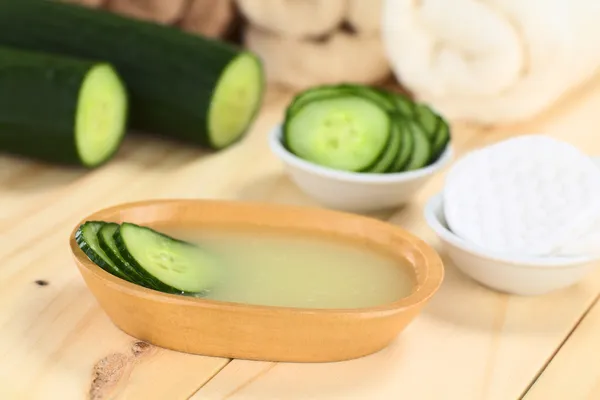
[574, 373]
[470, 343]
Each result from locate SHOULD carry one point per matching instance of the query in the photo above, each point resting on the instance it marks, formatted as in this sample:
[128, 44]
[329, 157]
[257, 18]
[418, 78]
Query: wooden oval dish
[214, 328]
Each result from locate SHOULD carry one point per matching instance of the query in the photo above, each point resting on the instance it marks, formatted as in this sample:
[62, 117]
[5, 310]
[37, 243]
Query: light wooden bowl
[232, 330]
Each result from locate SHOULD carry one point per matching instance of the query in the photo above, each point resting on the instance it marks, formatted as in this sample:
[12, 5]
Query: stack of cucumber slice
[148, 258]
[357, 128]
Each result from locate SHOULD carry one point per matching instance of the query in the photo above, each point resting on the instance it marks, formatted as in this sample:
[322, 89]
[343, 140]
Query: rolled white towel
[492, 61]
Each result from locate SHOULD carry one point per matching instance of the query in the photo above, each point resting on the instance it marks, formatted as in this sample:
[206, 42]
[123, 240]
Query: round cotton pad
[529, 196]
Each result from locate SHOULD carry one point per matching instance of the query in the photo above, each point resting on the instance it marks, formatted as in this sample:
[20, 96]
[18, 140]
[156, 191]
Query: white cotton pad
[529, 196]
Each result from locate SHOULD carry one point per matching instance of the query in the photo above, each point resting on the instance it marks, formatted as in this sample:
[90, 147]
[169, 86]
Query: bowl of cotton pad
[521, 216]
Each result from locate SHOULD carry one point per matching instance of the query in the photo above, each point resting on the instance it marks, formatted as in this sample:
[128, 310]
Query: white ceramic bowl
[351, 191]
[522, 276]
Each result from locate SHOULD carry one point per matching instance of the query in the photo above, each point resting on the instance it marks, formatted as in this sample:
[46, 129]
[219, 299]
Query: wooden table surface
[470, 343]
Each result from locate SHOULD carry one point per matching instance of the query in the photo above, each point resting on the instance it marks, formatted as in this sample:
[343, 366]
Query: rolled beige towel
[161, 11]
[87, 3]
[341, 57]
[492, 61]
[211, 18]
[295, 18]
[365, 16]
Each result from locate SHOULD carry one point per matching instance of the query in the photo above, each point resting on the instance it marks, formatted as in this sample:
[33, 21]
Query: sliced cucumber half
[347, 132]
[236, 100]
[87, 240]
[101, 117]
[180, 266]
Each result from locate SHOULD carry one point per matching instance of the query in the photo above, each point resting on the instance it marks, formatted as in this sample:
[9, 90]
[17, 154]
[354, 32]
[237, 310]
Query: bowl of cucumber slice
[359, 148]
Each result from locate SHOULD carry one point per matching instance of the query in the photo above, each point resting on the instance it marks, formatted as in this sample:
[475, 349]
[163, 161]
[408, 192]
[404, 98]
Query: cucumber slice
[347, 132]
[442, 138]
[87, 240]
[109, 246]
[376, 95]
[391, 153]
[180, 266]
[406, 149]
[421, 153]
[346, 89]
[312, 94]
[404, 105]
[427, 119]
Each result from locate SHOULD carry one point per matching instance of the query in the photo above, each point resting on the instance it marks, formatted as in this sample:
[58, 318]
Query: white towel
[492, 61]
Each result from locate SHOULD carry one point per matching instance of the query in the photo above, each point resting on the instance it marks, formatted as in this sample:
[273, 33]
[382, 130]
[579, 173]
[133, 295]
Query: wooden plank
[574, 373]
[470, 342]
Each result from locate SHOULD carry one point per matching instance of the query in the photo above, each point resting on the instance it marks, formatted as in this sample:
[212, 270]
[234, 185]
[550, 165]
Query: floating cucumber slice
[87, 239]
[180, 266]
[109, 246]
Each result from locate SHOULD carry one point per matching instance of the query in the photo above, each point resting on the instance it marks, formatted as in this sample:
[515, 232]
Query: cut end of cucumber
[236, 100]
[101, 115]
